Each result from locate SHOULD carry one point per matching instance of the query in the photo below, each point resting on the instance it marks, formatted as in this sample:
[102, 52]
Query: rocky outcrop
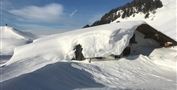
[130, 9]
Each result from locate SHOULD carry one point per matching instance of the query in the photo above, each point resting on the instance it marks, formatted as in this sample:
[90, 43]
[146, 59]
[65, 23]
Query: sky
[54, 15]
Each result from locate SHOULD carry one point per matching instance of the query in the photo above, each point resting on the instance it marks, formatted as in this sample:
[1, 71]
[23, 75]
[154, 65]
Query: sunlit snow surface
[157, 72]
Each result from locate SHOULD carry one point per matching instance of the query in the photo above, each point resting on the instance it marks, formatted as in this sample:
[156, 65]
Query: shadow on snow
[58, 76]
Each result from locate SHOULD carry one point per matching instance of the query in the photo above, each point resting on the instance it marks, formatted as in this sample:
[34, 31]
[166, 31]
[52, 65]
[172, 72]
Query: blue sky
[54, 14]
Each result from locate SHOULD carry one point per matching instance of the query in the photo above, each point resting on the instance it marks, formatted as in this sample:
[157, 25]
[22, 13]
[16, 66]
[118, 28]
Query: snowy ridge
[10, 32]
[11, 38]
[164, 20]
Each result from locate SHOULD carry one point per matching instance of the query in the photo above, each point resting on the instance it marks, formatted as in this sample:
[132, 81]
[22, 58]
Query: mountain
[160, 14]
[11, 38]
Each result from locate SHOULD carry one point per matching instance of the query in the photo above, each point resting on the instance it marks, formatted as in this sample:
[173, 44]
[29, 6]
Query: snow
[11, 38]
[45, 64]
[133, 72]
[167, 60]
[96, 41]
[163, 20]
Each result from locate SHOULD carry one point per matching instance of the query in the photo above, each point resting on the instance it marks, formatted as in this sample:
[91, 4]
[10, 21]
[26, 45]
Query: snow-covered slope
[163, 20]
[11, 38]
[157, 72]
[102, 40]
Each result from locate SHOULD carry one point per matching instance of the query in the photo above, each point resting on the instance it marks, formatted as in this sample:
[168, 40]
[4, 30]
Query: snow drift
[157, 72]
[96, 41]
[11, 38]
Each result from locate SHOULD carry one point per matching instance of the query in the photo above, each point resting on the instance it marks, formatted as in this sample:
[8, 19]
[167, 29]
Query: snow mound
[163, 20]
[96, 41]
[130, 73]
[11, 38]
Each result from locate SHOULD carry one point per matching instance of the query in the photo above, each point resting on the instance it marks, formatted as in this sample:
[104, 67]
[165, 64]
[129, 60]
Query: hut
[146, 39]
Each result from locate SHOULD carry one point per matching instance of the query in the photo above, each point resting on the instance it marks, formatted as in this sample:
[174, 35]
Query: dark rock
[78, 53]
[126, 51]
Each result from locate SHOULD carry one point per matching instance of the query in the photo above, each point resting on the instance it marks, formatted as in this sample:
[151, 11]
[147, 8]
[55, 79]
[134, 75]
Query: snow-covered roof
[96, 41]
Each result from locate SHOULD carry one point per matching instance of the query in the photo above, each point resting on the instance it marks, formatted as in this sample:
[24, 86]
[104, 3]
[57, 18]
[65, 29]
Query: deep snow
[134, 72]
[96, 41]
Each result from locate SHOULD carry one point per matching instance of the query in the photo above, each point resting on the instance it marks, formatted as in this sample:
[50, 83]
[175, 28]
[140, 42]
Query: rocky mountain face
[130, 9]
